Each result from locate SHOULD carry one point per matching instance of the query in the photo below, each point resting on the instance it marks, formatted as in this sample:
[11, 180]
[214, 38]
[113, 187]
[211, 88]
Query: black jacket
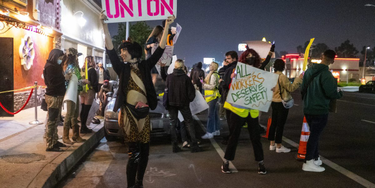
[53, 75]
[123, 71]
[106, 75]
[180, 89]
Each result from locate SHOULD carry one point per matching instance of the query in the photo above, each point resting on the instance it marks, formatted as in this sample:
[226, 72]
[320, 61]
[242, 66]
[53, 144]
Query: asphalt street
[345, 145]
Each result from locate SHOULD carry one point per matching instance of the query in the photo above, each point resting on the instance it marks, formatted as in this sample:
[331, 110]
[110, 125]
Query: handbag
[138, 113]
[287, 104]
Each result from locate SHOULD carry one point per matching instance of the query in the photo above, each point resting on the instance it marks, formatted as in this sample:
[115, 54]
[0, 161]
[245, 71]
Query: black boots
[175, 147]
[84, 114]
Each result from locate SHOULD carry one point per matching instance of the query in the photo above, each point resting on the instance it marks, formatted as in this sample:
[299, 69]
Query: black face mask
[250, 61]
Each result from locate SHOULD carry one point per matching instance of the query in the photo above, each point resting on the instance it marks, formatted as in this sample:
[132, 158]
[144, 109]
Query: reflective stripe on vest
[242, 112]
[210, 95]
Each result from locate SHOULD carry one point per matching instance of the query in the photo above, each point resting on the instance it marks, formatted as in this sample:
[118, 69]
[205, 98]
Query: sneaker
[208, 136]
[216, 133]
[318, 162]
[309, 166]
[272, 147]
[225, 168]
[185, 145]
[282, 149]
[261, 169]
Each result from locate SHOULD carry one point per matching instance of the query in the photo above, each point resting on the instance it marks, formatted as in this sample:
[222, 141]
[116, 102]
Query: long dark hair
[255, 61]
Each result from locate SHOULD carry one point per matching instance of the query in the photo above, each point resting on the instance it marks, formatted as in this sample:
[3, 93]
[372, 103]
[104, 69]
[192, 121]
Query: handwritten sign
[251, 88]
[138, 10]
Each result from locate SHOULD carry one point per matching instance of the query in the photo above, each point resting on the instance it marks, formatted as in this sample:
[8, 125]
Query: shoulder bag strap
[304, 91]
[278, 80]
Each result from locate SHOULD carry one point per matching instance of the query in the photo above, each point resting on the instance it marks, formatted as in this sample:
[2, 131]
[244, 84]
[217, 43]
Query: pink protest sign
[138, 10]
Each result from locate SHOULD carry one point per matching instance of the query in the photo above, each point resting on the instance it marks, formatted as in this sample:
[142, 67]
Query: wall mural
[27, 52]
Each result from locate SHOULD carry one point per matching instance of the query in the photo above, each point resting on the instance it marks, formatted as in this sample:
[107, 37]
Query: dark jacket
[197, 74]
[321, 90]
[53, 75]
[224, 85]
[93, 78]
[180, 89]
[106, 75]
[123, 71]
[221, 74]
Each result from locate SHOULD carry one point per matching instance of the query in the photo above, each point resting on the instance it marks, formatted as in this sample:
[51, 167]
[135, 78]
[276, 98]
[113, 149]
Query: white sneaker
[216, 133]
[318, 161]
[282, 149]
[208, 136]
[309, 166]
[272, 147]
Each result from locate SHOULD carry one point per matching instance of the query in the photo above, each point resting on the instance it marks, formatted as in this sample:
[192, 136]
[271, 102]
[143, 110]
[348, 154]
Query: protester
[89, 90]
[152, 41]
[239, 116]
[196, 75]
[281, 93]
[74, 86]
[180, 93]
[319, 88]
[103, 74]
[222, 99]
[136, 95]
[55, 82]
[102, 95]
[211, 92]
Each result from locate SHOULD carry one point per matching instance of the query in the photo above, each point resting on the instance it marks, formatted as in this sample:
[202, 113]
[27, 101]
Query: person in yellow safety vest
[240, 115]
[212, 95]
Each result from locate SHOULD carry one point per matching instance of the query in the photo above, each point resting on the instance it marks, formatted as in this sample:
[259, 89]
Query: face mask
[59, 61]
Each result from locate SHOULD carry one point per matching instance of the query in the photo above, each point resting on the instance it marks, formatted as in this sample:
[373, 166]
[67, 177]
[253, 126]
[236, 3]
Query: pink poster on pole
[138, 10]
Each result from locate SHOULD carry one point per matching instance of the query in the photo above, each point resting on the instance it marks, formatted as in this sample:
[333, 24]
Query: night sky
[212, 27]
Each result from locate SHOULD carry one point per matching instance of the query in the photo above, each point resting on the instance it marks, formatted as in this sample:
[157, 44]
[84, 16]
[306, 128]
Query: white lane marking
[367, 121]
[217, 147]
[338, 168]
[356, 103]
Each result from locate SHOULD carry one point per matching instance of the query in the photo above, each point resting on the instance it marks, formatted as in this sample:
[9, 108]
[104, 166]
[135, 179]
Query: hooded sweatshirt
[322, 89]
[53, 74]
[180, 89]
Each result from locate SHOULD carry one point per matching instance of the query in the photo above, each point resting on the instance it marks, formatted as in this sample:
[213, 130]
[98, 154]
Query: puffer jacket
[286, 87]
[180, 89]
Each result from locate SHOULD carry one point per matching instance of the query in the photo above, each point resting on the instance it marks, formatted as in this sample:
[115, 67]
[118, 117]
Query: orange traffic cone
[305, 133]
[268, 127]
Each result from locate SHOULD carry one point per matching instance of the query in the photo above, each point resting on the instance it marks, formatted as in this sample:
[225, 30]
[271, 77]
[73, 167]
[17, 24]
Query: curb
[53, 173]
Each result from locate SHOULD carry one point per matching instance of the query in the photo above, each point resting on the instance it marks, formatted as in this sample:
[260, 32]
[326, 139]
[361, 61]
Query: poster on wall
[251, 88]
[138, 10]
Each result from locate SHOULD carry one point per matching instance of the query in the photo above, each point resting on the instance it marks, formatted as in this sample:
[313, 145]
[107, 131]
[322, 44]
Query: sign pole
[127, 31]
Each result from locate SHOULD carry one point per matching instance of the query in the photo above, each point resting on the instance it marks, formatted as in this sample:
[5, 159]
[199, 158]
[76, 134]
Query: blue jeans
[316, 124]
[213, 123]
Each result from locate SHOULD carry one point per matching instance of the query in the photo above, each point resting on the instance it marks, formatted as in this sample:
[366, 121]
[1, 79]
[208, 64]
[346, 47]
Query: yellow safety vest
[242, 112]
[213, 93]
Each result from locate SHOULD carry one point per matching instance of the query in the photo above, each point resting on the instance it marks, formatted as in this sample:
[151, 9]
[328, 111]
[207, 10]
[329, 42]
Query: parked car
[158, 118]
[369, 87]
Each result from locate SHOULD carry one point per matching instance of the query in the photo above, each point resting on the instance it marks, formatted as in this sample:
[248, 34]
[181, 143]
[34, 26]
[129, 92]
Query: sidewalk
[24, 161]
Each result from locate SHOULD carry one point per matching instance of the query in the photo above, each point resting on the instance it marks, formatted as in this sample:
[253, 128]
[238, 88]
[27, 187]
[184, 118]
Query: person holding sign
[279, 112]
[242, 115]
[136, 96]
[211, 93]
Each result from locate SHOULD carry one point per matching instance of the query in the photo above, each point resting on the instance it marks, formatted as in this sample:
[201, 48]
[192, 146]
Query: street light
[369, 5]
[364, 63]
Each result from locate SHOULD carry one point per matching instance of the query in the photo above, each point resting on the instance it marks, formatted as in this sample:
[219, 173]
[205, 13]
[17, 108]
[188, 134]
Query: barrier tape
[13, 113]
[17, 89]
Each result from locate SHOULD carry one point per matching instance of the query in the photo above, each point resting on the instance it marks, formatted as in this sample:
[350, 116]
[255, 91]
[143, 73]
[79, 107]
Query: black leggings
[279, 116]
[137, 163]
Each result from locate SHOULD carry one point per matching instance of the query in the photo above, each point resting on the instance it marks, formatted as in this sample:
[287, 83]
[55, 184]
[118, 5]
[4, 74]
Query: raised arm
[107, 35]
[164, 37]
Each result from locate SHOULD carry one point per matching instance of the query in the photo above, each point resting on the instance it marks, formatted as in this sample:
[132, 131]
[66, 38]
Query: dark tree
[317, 50]
[346, 49]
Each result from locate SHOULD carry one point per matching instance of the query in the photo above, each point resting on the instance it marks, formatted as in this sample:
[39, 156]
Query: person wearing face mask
[240, 116]
[135, 96]
[55, 91]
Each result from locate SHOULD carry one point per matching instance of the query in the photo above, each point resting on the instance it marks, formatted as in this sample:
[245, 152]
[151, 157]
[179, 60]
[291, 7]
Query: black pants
[137, 163]
[279, 116]
[188, 120]
[316, 124]
[236, 123]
